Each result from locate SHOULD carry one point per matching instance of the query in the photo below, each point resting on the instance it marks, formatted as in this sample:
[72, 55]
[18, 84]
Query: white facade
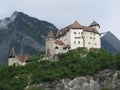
[15, 60]
[74, 36]
[91, 40]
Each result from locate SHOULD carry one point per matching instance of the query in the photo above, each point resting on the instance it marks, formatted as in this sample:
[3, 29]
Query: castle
[17, 60]
[68, 38]
[71, 37]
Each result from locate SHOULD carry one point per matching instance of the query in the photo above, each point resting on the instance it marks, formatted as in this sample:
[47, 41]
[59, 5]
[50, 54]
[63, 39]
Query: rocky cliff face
[108, 79]
[24, 33]
[104, 80]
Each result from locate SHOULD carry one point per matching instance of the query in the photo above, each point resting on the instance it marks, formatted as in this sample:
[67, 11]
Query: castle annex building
[17, 60]
[73, 36]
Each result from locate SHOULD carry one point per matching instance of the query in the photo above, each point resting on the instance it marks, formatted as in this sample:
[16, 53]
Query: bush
[69, 65]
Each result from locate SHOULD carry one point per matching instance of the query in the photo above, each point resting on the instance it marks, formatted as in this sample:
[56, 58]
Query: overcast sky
[65, 12]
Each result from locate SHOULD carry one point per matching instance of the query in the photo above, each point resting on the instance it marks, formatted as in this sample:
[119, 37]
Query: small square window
[74, 42]
[90, 37]
[89, 43]
[74, 32]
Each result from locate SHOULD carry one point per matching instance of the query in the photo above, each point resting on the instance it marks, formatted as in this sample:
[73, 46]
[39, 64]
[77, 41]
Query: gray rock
[109, 79]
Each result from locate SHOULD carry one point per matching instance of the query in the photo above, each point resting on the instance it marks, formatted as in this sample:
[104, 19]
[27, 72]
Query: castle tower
[94, 24]
[49, 45]
[12, 53]
[12, 56]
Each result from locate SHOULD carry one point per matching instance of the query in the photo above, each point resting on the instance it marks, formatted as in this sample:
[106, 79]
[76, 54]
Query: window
[77, 37]
[78, 42]
[90, 33]
[95, 44]
[56, 47]
[74, 42]
[89, 43]
[94, 38]
[64, 48]
[90, 37]
[74, 32]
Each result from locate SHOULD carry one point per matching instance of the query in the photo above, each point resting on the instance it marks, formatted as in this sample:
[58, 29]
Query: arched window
[56, 47]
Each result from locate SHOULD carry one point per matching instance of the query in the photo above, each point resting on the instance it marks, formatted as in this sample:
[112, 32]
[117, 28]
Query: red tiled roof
[59, 42]
[22, 58]
[76, 25]
[90, 29]
[94, 23]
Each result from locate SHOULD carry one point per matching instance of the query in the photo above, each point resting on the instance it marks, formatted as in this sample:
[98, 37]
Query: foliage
[35, 88]
[75, 63]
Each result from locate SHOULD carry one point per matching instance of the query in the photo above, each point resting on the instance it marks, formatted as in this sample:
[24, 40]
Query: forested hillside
[78, 62]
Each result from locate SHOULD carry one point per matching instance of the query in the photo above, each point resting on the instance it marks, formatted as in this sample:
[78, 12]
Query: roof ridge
[94, 23]
[76, 24]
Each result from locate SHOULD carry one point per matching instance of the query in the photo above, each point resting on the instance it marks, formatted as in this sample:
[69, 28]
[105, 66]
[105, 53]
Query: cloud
[64, 12]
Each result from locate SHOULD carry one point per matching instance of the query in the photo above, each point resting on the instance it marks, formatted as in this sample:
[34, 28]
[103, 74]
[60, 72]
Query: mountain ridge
[110, 43]
[24, 33]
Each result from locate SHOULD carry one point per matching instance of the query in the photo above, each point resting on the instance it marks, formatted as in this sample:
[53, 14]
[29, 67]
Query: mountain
[24, 33]
[110, 42]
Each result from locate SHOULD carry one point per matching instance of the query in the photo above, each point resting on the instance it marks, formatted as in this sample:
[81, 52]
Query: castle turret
[94, 24]
[12, 53]
[49, 44]
[50, 35]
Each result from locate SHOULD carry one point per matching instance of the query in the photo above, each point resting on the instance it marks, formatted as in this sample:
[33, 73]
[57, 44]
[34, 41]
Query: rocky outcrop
[103, 80]
[108, 79]
[79, 83]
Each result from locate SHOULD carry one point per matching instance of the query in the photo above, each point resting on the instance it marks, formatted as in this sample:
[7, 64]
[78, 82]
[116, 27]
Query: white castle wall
[66, 38]
[91, 40]
[50, 47]
[12, 61]
[76, 38]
